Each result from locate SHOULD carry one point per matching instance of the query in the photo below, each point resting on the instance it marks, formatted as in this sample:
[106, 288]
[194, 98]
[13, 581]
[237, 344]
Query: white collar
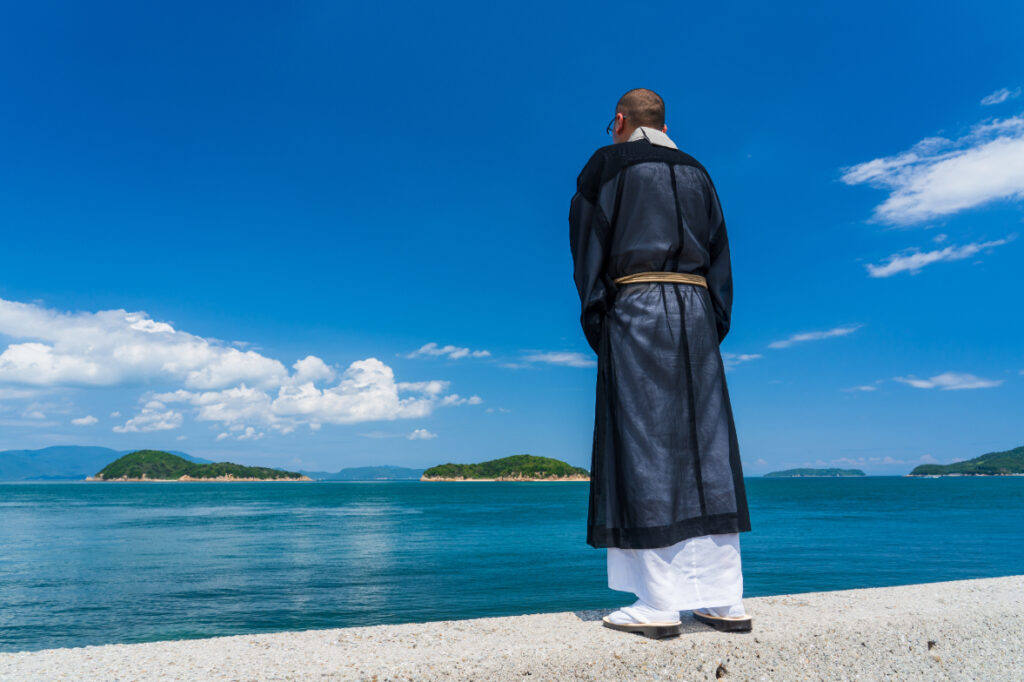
[653, 135]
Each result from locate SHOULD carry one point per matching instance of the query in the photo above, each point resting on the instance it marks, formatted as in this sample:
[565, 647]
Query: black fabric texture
[665, 463]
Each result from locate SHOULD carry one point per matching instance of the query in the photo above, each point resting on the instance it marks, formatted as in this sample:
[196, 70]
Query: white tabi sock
[642, 612]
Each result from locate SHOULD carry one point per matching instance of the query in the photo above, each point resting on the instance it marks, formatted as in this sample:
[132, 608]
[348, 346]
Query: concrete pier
[962, 630]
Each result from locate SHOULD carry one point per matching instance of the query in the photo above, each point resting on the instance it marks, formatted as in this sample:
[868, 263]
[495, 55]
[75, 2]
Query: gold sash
[661, 276]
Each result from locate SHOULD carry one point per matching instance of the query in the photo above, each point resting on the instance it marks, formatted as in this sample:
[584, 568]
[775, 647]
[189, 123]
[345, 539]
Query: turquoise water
[96, 563]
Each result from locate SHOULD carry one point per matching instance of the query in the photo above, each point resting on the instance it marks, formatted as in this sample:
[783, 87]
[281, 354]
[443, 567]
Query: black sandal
[725, 624]
[649, 630]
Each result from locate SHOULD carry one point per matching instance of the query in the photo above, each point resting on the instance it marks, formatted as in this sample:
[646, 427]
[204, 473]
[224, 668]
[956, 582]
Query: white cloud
[154, 417]
[220, 383]
[421, 434]
[115, 414]
[116, 347]
[366, 392]
[311, 368]
[814, 336]
[950, 381]
[566, 359]
[733, 360]
[866, 388]
[88, 420]
[1000, 96]
[249, 433]
[453, 352]
[939, 177]
[914, 260]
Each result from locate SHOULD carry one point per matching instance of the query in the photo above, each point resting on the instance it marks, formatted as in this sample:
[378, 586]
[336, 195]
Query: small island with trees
[815, 473]
[1006, 463]
[157, 465]
[514, 468]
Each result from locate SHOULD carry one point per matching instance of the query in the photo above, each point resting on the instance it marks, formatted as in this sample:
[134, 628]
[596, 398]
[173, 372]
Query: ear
[664, 128]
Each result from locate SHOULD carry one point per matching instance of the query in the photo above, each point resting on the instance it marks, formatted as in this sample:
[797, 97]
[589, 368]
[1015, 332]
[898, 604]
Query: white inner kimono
[695, 573]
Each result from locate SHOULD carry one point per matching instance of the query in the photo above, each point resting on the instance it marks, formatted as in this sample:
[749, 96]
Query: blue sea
[95, 563]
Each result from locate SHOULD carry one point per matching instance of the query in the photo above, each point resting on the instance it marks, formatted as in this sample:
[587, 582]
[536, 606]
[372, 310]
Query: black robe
[665, 464]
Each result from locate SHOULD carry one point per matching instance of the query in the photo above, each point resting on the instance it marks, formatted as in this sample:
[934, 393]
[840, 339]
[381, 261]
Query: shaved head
[642, 107]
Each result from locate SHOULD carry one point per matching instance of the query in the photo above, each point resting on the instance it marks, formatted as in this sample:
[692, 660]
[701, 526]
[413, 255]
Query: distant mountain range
[384, 472]
[77, 462]
[815, 473]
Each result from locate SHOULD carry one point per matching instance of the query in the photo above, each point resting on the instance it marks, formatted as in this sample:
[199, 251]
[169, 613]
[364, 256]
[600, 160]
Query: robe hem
[664, 536]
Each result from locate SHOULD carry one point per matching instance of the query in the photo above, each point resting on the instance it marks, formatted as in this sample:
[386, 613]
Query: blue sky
[236, 231]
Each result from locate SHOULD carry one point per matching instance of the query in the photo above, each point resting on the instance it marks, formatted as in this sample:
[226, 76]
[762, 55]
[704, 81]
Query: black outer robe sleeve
[588, 240]
[719, 274]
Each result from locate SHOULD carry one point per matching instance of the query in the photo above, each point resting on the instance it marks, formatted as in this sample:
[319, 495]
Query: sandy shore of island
[458, 479]
[963, 630]
[189, 479]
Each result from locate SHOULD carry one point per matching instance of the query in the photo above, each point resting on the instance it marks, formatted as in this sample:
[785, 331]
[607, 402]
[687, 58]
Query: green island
[514, 468]
[815, 473]
[1006, 463]
[157, 465]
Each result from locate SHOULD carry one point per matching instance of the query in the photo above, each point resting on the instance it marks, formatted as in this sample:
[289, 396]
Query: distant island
[514, 468]
[1007, 463]
[157, 465]
[815, 473]
[383, 472]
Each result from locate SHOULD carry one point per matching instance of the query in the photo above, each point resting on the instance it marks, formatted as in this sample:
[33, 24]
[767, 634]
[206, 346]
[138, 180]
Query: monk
[651, 265]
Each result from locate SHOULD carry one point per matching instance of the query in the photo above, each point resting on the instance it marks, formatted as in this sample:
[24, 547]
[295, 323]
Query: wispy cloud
[380, 434]
[1000, 96]
[18, 393]
[87, 420]
[939, 177]
[814, 336]
[456, 399]
[866, 388]
[733, 360]
[950, 381]
[914, 260]
[566, 359]
[452, 352]
[421, 434]
[240, 432]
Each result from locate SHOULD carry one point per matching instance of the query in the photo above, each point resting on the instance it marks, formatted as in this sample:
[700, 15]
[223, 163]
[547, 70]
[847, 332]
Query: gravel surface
[962, 630]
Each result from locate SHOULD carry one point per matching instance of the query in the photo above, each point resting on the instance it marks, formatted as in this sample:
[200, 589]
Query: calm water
[96, 563]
